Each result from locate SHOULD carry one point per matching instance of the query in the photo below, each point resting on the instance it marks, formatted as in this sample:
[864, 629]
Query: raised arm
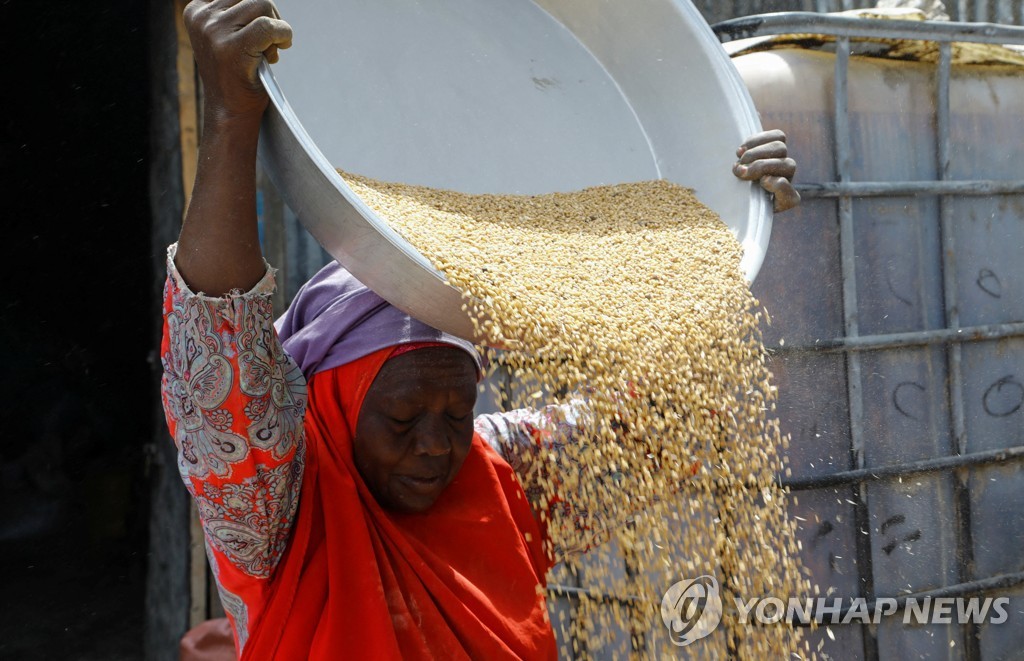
[219, 249]
[233, 399]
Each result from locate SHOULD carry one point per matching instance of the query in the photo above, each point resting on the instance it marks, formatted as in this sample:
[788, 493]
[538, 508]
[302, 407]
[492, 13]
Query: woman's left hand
[764, 158]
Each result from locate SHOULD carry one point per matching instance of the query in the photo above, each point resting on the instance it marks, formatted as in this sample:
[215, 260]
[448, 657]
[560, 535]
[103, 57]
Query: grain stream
[631, 296]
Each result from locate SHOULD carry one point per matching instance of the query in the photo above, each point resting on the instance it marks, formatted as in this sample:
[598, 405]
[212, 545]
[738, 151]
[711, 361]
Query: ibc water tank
[898, 342]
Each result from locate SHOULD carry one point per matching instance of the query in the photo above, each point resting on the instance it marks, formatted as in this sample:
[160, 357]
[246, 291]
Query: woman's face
[416, 426]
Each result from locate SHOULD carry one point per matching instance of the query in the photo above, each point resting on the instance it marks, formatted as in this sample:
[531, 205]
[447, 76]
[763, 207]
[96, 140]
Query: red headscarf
[461, 580]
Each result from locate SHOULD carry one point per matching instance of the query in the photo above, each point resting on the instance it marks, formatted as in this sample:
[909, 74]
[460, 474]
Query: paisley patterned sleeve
[234, 403]
[534, 443]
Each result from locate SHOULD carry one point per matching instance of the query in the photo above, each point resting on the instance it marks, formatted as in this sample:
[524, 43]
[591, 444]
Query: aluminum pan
[512, 97]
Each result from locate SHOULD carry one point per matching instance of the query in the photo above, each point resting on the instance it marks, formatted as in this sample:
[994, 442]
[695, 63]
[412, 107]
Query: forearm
[218, 249]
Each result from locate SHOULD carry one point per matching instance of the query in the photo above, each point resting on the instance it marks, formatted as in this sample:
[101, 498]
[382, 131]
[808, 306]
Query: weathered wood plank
[188, 127]
[167, 589]
[188, 110]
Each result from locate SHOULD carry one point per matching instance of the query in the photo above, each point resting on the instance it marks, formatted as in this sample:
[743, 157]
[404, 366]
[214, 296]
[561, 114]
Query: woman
[350, 501]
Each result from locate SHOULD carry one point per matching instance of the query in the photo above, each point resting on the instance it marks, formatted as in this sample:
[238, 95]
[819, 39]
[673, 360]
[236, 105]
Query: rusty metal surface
[906, 426]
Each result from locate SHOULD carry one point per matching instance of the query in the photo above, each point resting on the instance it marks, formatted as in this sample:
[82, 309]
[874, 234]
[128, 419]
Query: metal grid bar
[949, 281]
[573, 592]
[961, 495]
[863, 28]
[904, 470]
[909, 339]
[965, 589]
[897, 188]
[844, 29]
[847, 250]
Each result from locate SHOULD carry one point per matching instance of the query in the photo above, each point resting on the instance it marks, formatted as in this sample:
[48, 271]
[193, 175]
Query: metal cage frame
[953, 336]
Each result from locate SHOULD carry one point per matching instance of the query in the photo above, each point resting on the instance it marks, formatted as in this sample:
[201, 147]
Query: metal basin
[512, 97]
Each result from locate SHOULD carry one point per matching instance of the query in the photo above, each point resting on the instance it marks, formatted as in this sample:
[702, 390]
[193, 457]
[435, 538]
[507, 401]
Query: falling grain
[631, 295]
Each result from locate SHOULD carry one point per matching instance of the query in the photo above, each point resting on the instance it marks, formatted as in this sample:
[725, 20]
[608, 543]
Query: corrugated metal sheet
[989, 11]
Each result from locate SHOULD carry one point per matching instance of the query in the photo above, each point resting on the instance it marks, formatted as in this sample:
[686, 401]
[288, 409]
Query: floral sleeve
[234, 403]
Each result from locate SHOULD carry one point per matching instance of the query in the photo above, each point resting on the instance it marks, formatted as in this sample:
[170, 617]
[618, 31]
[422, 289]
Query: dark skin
[764, 158]
[406, 466]
[219, 248]
[416, 426]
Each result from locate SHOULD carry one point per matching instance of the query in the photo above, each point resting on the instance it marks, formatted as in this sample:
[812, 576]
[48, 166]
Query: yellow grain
[632, 295]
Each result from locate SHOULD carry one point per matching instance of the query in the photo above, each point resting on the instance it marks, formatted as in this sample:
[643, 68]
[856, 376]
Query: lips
[422, 484]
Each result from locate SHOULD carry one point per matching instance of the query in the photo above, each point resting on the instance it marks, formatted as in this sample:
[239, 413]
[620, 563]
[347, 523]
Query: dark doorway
[74, 323]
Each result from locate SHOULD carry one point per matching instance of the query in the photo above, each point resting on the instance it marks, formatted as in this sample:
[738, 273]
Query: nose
[432, 438]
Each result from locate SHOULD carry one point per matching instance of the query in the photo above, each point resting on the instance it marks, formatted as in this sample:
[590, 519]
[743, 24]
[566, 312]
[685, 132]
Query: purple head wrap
[336, 319]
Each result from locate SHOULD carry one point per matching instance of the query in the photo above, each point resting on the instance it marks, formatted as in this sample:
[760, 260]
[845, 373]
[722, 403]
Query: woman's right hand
[229, 38]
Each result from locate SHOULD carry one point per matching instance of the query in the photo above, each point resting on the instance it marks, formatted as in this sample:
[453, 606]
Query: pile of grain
[632, 295]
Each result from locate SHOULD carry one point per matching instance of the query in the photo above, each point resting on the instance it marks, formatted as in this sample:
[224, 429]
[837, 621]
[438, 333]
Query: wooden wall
[179, 592]
[167, 587]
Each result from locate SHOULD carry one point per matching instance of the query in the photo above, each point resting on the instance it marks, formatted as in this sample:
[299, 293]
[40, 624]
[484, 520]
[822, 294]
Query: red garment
[462, 580]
